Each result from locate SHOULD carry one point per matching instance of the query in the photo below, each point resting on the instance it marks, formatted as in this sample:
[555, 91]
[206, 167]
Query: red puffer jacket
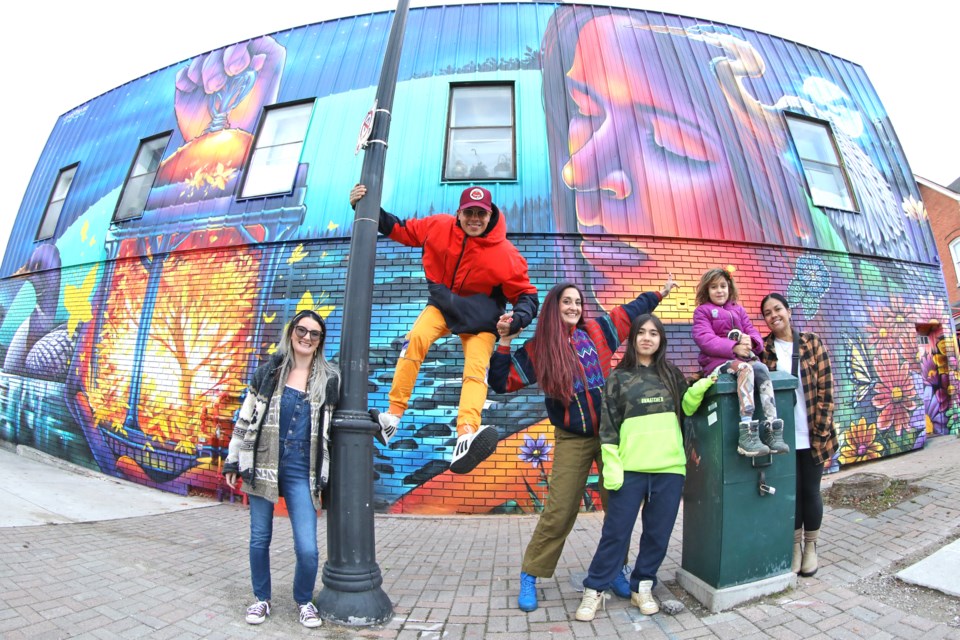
[471, 278]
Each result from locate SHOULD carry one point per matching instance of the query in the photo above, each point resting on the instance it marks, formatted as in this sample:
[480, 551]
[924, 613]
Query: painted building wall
[647, 144]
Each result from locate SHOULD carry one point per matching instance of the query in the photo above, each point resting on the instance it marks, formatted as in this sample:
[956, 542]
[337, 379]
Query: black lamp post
[352, 593]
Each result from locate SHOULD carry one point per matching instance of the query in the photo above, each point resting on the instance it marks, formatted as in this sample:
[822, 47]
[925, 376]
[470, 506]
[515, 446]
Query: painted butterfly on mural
[862, 372]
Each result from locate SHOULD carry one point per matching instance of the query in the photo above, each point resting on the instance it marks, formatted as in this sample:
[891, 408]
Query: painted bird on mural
[40, 348]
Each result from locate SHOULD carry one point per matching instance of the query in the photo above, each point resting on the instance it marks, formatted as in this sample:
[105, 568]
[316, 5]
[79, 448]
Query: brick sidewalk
[185, 575]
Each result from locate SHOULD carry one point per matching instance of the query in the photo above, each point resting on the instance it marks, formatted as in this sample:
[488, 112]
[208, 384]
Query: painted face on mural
[641, 157]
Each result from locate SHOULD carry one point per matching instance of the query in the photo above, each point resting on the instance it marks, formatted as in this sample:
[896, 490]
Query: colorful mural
[126, 346]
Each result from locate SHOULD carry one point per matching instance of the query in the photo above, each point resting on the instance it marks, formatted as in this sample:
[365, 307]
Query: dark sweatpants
[659, 494]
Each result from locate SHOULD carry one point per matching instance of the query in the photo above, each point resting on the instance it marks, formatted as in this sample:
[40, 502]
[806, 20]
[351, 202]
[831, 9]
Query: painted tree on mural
[197, 350]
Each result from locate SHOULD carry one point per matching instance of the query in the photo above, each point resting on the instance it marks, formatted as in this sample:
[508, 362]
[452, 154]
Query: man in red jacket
[472, 271]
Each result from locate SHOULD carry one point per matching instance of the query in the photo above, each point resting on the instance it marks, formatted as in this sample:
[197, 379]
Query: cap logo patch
[476, 194]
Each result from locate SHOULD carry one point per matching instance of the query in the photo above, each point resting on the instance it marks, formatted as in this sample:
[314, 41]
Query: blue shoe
[527, 601]
[621, 586]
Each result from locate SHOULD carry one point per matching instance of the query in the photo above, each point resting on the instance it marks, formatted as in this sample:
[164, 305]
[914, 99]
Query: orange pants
[477, 349]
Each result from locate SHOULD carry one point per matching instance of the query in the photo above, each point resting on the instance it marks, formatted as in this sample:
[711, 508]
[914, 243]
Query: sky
[66, 56]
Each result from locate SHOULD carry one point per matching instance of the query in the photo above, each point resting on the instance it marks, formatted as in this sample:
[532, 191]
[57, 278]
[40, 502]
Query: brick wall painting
[126, 347]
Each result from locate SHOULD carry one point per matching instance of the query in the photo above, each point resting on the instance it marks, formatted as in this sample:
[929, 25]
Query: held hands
[231, 479]
[356, 193]
[668, 286]
[503, 327]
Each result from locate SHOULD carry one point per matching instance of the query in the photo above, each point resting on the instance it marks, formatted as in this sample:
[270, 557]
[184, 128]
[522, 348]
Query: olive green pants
[573, 457]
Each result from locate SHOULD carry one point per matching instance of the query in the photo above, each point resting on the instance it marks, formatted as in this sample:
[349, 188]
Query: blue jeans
[294, 481]
[659, 494]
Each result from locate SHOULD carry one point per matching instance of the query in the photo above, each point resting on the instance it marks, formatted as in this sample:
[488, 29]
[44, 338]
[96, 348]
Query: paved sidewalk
[184, 574]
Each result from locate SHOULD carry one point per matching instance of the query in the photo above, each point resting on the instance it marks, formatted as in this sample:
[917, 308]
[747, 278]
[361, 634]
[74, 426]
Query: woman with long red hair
[569, 356]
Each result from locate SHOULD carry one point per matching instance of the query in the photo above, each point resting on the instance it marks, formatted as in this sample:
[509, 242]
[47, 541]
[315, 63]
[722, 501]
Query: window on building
[48, 225]
[955, 255]
[133, 199]
[826, 177]
[481, 133]
[275, 156]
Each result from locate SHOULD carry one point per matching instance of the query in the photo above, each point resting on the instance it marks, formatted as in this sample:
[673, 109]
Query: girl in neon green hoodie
[644, 463]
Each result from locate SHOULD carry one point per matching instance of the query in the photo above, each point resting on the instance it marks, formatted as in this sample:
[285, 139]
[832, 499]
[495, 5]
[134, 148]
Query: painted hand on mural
[228, 87]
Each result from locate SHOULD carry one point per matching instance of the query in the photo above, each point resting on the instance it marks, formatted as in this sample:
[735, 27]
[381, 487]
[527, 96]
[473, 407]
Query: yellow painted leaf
[332, 225]
[306, 302]
[268, 319]
[77, 300]
[83, 231]
[272, 349]
[325, 310]
[297, 255]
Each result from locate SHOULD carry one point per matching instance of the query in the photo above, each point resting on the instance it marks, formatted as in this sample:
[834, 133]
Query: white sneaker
[258, 612]
[388, 426]
[643, 598]
[474, 447]
[309, 616]
[592, 600]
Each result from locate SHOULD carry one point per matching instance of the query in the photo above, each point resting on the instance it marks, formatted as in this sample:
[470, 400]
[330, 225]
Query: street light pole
[352, 593]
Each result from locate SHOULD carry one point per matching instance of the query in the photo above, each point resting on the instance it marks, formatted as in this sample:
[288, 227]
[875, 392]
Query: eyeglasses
[303, 331]
[477, 213]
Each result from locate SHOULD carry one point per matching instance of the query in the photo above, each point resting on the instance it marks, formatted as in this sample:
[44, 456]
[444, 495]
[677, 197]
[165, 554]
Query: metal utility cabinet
[737, 511]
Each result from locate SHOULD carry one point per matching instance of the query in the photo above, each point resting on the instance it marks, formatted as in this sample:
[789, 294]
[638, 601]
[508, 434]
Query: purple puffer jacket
[711, 323]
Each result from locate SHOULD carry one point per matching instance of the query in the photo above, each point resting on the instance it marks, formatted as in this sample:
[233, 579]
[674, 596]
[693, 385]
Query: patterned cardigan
[817, 379]
[254, 450]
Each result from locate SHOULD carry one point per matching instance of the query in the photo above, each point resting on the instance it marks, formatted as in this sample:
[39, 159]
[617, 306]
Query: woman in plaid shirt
[813, 420]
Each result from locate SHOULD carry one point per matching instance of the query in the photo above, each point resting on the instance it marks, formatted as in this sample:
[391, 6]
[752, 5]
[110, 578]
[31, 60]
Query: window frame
[126, 182]
[955, 256]
[449, 128]
[827, 128]
[248, 163]
[50, 201]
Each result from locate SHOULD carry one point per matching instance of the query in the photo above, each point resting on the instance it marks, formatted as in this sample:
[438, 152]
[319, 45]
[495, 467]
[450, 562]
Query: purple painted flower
[536, 451]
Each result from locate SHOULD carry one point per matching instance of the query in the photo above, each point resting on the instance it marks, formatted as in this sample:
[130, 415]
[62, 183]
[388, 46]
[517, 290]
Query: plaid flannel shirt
[817, 381]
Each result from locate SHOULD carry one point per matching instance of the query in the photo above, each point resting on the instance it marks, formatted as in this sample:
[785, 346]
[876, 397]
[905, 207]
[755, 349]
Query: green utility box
[737, 511]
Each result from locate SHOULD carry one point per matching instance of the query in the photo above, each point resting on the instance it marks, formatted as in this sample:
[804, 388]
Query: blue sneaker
[621, 586]
[527, 600]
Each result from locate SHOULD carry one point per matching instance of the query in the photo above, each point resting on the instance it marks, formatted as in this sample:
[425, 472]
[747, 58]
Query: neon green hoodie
[639, 428]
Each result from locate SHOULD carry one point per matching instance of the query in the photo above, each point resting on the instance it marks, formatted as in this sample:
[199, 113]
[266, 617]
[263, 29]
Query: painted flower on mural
[536, 451]
[929, 309]
[914, 209]
[892, 326]
[810, 283]
[859, 443]
[896, 396]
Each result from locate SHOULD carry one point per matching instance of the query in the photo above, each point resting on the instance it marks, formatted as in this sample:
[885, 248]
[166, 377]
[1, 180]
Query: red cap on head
[476, 197]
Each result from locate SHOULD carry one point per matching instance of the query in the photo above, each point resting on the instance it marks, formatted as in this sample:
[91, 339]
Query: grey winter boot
[749, 444]
[772, 436]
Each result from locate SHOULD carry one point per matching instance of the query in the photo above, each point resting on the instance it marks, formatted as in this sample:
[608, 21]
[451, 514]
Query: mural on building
[126, 345]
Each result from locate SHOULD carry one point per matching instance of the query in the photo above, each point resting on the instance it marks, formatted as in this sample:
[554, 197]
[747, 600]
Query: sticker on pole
[366, 128]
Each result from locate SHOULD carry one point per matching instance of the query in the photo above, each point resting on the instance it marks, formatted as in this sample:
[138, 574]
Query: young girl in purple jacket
[729, 341]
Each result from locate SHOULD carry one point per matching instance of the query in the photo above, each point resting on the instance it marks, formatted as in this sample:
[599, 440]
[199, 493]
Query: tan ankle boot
[808, 563]
[797, 550]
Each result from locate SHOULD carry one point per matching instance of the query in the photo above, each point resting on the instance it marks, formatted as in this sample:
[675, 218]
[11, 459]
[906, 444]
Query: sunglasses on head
[303, 331]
